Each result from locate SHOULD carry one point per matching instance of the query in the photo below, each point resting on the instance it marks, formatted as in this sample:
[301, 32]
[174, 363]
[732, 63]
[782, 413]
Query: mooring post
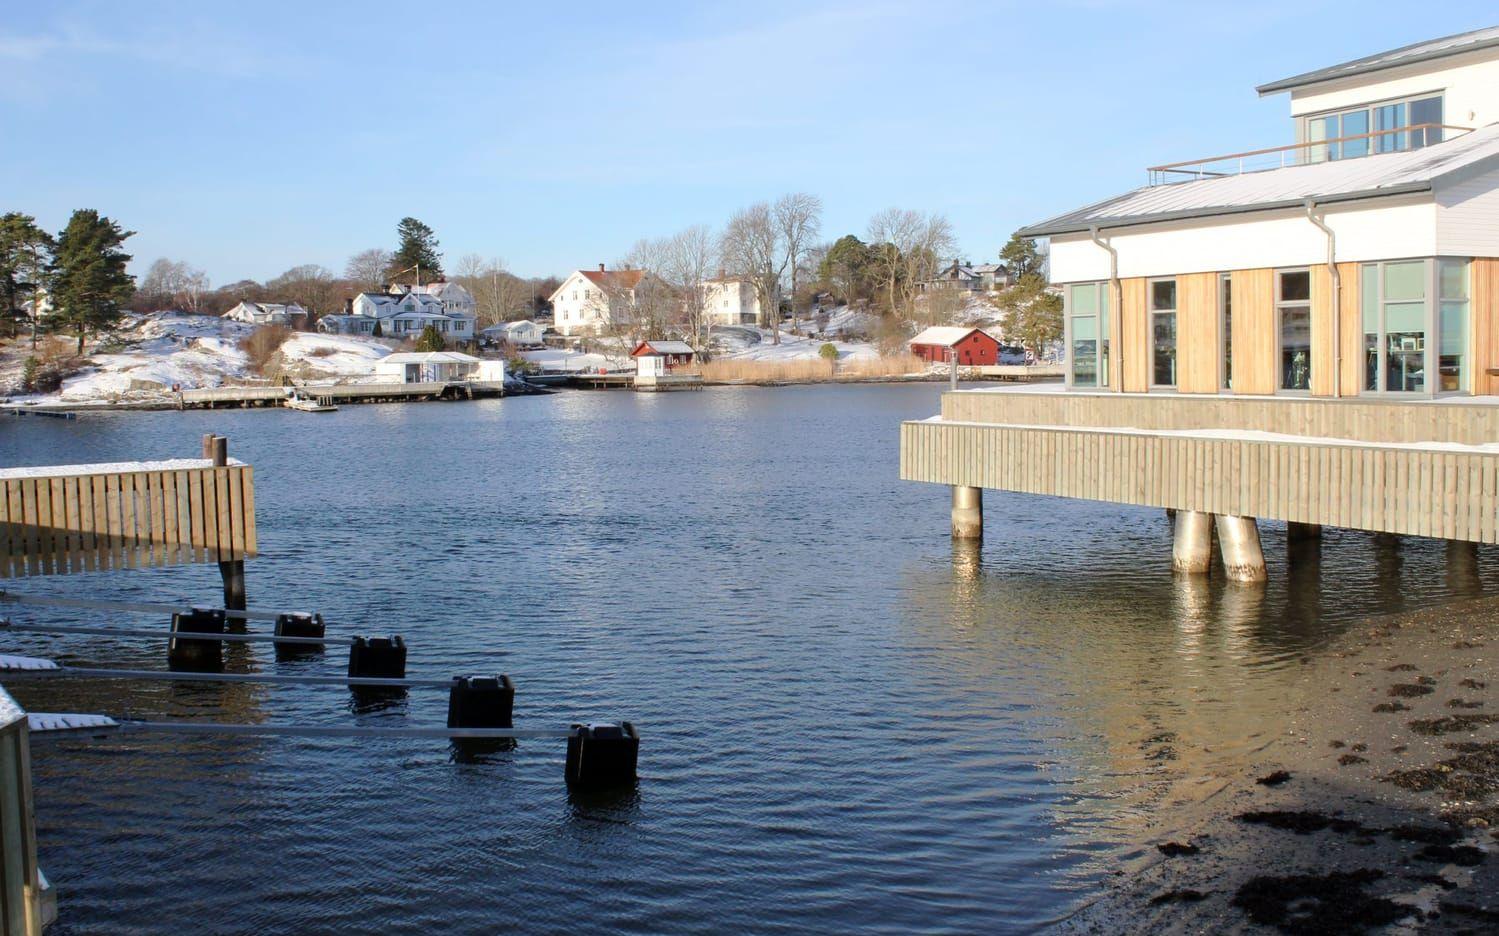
[1192, 542]
[1239, 541]
[967, 512]
[1296, 532]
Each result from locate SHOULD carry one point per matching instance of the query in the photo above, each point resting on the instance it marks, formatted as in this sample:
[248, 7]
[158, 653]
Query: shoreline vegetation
[1376, 803]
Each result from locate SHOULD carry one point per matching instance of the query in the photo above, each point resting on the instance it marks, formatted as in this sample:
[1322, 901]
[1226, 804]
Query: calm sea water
[849, 722]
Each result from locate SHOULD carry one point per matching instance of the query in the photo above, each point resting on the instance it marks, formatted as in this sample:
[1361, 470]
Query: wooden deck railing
[84, 518]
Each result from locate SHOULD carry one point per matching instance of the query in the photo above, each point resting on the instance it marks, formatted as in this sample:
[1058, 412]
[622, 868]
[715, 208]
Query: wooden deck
[84, 518]
[342, 393]
[1428, 468]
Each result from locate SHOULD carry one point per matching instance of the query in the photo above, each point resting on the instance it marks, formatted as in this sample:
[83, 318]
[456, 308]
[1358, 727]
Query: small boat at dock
[307, 404]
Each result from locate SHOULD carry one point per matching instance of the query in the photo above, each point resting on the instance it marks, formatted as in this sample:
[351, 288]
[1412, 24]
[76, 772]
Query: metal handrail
[1201, 172]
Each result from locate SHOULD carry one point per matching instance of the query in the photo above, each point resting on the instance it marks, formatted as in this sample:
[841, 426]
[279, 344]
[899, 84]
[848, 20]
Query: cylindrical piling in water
[967, 512]
[602, 757]
[1296, 532]
[1239, 541]
[1192, 542]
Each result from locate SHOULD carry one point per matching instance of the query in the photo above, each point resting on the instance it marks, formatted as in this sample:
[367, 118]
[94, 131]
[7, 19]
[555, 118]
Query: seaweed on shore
[1451, 724]
[1409, 690]
[1319, 903]
[1300, 822]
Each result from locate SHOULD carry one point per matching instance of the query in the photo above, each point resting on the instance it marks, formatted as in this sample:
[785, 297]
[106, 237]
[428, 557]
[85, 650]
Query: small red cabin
[973, 347]
[674, 353]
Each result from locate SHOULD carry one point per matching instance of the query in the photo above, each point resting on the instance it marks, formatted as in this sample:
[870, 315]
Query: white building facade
[589, 302]
[406, 311]
[287, 314]
[730, 300]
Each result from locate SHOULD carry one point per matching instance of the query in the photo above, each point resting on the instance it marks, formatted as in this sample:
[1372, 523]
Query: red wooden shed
[974, 347]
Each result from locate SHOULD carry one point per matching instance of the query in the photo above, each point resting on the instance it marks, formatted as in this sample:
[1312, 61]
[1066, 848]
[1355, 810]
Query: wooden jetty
[338, 394]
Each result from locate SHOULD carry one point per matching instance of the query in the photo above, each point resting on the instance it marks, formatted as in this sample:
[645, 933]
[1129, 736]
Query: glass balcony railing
[1399, 139]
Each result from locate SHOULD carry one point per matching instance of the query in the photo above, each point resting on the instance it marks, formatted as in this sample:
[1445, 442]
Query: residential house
[730, 300]
[993, 276]
[287, 314]
[522, 334]
[405, 311]
[436, 367]
[673, 354]
[972, 347]
[590, 301]
[1360, 260]
[956, 275]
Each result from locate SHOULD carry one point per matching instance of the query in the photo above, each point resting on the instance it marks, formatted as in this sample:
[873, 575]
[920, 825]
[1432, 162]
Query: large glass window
[1163, 333]
[1088, 320]
[1293, 316]
[1415, 323]
[1226, 329]
[1391, 116]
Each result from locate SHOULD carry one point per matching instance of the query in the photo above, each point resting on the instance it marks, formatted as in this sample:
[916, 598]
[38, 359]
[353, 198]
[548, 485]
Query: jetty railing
[63, 519]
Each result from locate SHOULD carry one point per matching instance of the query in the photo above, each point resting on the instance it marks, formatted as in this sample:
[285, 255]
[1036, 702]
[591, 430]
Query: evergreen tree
[1032, 313]
[25, 254]
[418, 250]
[430, 340]
[89, 282]
[1020, 256]
[378, 332]
[845, 269]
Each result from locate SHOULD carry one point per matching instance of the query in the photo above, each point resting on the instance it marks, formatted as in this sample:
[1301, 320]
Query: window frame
[1277, 306]
[1431, 319]
[1152, 312]
[1101, 329]
[1304, 124]
[1225, 332]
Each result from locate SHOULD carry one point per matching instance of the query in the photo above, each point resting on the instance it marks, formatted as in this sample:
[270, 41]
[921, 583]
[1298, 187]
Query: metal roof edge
[1076, 227]
[1319, 75]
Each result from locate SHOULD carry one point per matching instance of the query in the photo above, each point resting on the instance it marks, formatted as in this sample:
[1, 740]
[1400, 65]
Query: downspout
[1337, 302]
[1116, 297]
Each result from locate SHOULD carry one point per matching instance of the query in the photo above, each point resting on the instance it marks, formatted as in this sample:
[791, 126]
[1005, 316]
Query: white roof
[669, 347]
[1339, 180]
[944, 335]
[1405, 55]
[429, 357]
[510, 326]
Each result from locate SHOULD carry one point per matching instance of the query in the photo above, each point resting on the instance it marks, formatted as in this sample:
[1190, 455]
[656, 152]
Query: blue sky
[247, 138]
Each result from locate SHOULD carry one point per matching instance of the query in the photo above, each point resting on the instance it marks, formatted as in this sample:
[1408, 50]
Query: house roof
[945, 335]
[662, 347]
[614, 279]
[510, 326]
[1290, 187]
[983, 268]
[1405, 55]
[429, 357]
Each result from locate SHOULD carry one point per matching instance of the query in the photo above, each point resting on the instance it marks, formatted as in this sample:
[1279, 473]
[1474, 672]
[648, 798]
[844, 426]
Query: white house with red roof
[589, 301]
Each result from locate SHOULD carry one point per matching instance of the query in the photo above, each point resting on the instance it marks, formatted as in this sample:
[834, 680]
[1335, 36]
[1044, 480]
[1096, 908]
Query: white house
[589, 301]
[1361, 259]
[288, 314]
[522, 334]
[405, 311]
[436, 367]
[730, 300]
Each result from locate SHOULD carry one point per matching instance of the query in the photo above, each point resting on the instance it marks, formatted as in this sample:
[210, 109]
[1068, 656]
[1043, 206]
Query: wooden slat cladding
[1412, 491]
[89, 521]
[1484, 317]
[1133, 346]
[1198, 348]
[1254, 331]
[1365, 419]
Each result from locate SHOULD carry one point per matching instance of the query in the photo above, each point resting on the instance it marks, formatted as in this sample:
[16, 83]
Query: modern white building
[590, 301]
[405, 311]
[436, 367]
[730, 300]
[288, 314]
[521, 334]
[1361, 259]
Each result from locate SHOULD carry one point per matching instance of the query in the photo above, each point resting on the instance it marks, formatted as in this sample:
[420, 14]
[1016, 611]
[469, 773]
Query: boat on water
[307, 404]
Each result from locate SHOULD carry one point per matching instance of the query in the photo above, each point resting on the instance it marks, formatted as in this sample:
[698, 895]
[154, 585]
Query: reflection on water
[848, 719]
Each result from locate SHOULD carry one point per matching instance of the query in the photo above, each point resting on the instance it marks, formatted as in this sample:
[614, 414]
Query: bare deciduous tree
[690, 256]
[367, 268]
[310, 286]
[183, 284]
[751, 247]
[798, 218]
[498, 294]
[904, 250]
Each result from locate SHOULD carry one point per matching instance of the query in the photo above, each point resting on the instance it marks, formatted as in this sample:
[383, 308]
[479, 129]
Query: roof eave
[1321, 75]
[1082, 227]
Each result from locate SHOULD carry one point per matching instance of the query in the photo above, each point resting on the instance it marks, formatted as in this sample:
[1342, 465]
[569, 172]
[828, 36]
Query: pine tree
[1032, 313]
[378, 332]
[25, 254]
[430, 340]
[418, 251]
[89, 282]
[1020, 256]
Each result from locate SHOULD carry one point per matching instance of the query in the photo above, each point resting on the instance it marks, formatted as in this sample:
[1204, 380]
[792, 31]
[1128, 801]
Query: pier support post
[967, 512]
[1239, 541]
[1192, 542]
[1298, 532]
[233, 571]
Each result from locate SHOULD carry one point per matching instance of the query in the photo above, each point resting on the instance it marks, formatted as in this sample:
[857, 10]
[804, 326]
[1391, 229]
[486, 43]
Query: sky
[252, 137]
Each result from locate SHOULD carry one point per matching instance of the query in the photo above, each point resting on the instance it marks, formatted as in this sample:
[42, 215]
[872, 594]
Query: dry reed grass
[809, 370]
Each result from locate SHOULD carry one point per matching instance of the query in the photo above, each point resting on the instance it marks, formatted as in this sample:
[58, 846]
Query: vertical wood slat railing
[83, 518]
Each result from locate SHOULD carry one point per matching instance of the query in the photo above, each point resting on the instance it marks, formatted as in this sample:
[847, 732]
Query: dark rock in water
[1185, 895]
[1299, 822]
[1274, 779]
[1175, 849]
[1409, 690]
[1319, 903]
[1348, 760]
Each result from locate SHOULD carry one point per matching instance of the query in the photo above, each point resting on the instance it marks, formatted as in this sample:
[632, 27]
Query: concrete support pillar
[1462, 567]
[1297, 532]
[967, 512]
[1239, 541]
[233, 572]
[1192, 542]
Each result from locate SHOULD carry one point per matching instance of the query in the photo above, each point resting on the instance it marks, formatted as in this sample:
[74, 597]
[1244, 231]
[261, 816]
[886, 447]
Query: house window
[1163, 333]
[1293, 318]
[1405, 305]
[1391, 116]
[1226, 328]
[1088, 327]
